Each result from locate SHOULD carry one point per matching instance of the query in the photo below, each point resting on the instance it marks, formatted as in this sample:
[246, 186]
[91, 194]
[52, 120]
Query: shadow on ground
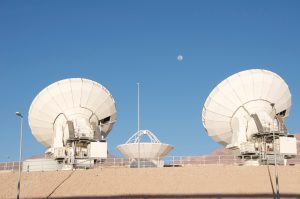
[169, 196]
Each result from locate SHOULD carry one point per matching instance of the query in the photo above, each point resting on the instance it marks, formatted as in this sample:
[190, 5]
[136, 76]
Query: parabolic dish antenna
[240, 95]
[247, 110]
[150, 153]
[71, 118]
[70, 98]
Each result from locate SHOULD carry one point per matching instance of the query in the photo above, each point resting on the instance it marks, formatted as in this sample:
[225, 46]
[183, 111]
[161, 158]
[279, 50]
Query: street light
[20, 158]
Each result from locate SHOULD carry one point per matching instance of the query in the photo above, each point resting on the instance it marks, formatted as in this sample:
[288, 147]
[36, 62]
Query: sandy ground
[186, 182]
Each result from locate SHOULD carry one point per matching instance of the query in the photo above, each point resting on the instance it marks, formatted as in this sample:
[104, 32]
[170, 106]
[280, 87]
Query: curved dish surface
[253, 91]
[72, 98]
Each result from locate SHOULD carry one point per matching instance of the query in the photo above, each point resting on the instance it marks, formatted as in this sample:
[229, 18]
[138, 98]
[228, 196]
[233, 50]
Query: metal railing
[9, 166]
[170, 161]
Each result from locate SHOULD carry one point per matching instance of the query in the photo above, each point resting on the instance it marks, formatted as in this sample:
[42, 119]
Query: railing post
[180, 160]
[219, 159]
[173, 161]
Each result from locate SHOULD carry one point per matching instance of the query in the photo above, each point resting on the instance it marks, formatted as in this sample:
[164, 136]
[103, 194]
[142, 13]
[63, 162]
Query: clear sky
[120, 43]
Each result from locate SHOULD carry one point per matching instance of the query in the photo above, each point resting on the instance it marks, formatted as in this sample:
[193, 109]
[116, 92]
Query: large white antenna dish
[246, 105]
[70, 98]
[70, 111]
[241, 95]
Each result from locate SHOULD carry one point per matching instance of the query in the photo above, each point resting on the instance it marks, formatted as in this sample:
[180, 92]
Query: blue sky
[119, 43]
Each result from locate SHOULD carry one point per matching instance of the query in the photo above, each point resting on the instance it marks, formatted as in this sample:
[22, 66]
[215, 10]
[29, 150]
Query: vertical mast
[138, 90]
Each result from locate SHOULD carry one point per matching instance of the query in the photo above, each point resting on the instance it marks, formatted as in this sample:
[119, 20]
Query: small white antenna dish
[246, 106]
[65, 117]
[147, 154]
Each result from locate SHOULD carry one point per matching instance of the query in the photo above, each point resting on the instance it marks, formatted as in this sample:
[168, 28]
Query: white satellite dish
[141, 153]
[150, 153]
[71, 111]
[246, 105]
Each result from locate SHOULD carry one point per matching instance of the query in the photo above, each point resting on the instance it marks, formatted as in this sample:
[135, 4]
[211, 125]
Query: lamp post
[20, 157]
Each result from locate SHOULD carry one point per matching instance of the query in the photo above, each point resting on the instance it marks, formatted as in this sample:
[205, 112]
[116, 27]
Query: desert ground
[210, 181]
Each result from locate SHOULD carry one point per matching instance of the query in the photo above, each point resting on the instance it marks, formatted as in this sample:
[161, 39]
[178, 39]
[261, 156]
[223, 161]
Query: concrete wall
[187, 182]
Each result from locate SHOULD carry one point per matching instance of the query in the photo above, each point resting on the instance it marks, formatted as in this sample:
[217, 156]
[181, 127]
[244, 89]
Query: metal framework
[136, 138]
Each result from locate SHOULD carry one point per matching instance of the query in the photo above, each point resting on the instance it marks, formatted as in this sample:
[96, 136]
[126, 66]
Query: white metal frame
[136, 138]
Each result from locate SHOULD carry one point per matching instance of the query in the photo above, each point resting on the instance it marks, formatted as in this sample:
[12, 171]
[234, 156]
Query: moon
[180, 58]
